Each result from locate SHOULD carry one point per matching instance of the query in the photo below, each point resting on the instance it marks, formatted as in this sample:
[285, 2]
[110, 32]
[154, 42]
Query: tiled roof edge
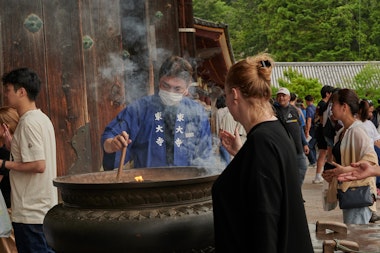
[199, 21]
[340, 63]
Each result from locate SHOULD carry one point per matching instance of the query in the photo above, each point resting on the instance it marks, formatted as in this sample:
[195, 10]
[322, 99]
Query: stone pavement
[361, 234]
[312, 194]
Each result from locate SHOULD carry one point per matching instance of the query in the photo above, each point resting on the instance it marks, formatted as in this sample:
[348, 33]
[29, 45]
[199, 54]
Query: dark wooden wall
[81, 53]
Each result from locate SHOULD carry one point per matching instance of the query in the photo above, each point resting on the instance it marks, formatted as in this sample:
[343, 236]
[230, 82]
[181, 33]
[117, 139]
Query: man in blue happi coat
[164, 129]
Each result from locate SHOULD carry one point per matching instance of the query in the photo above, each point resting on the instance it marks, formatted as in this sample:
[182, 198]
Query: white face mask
[170, 98]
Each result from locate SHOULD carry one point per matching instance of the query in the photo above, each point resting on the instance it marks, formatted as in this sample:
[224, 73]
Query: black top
[321, 107]
[5, 184]
[257, 200]
[291, 120]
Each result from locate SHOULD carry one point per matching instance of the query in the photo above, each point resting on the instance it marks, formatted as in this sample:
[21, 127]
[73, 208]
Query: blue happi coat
[143, 121]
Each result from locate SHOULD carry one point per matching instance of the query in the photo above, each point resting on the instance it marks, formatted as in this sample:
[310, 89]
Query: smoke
[116, 67]
[139, 61]
[124, 68]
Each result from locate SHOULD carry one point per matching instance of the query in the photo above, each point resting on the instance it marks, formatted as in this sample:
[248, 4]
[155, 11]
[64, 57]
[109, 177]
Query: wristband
[3, 169]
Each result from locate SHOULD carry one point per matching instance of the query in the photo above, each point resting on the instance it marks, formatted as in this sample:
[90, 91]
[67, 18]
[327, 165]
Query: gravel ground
[312, 194]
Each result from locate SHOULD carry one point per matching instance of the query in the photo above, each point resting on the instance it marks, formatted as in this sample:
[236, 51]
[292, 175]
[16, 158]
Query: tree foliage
[365, 83]
[304, 30]
[213, 10]
[299, 30]
[299, 84]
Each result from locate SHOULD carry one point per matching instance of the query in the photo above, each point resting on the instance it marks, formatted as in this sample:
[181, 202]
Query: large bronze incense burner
[169, 211]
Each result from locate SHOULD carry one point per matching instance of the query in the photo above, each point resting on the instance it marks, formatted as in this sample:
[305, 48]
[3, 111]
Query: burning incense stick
[122, 158]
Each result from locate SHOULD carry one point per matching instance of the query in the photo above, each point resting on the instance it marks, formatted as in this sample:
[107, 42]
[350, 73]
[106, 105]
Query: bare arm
[356, 171]
[7, 137]
[307, 127]
[377, 143]
[33, 167]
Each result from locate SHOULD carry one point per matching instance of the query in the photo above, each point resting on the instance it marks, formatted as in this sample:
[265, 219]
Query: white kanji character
[158, 116]
[159, 129]
[180, 117]
[179, 129]
[159, 141]
[178, 142]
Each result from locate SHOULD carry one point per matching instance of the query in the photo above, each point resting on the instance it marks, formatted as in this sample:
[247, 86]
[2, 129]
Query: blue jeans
[30, 238]
[357, 215]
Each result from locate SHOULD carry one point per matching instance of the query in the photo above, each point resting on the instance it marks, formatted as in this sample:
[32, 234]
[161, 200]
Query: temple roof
[213, 50]
[215, 54]
[328, 73]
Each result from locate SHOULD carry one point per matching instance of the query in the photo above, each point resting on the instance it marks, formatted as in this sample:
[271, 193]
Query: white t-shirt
[225, 121]
[33, 194]
[371, 130]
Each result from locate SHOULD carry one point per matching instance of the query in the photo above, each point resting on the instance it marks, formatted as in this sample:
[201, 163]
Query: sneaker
[318, 181]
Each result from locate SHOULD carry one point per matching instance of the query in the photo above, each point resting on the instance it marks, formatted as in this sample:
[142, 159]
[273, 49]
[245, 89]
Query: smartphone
[329, 166]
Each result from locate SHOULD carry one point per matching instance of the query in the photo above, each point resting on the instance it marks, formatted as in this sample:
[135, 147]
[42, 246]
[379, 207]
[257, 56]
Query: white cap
[283, 90]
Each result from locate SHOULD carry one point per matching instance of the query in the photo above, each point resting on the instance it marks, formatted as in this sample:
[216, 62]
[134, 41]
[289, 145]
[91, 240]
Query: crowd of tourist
[267, 144]
[342, 129]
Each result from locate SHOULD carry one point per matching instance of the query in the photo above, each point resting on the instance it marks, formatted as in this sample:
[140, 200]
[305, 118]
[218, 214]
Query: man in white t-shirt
[33, 164]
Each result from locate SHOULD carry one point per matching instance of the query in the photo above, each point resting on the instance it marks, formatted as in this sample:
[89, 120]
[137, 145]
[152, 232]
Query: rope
[345, 249]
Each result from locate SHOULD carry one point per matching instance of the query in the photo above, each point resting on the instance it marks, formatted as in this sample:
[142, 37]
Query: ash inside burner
[149, 175]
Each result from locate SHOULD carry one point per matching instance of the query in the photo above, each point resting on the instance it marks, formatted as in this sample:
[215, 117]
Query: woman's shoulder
[358, 131]
[358, 124]
[369, 124]
[270, 128]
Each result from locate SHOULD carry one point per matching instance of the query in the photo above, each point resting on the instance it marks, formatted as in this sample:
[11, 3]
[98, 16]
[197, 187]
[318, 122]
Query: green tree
[299, 84]
[299, 30]
[248, 33]
[213, 10]
[366, 83]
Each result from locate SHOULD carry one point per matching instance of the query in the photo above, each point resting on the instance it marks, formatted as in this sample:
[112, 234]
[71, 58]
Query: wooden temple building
[94, 57]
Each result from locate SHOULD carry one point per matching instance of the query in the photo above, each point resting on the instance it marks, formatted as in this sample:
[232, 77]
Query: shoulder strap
[279, 115]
